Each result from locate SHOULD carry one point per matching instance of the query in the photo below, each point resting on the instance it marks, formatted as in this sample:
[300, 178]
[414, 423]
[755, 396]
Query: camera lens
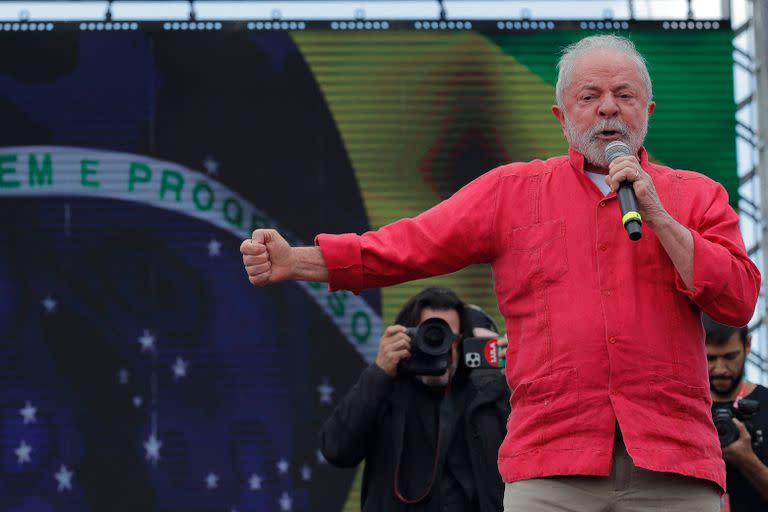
[433, 337]
[726, 430]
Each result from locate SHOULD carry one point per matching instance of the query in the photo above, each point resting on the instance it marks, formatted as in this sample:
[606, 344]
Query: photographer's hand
[394, 346]
[741, 455]
[501, 349]
[738, 452]
[501, 342]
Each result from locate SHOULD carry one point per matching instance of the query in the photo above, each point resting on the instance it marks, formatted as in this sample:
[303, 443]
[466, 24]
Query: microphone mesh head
[616, 149]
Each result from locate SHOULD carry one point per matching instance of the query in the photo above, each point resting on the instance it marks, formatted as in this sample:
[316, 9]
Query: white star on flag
[152, 447]
[214, 248]
[122, 376]
[254, 482]
[64, 477]
[212, 481]
[180, 368]
[147, 341]
[28, 413]
[285, 502]
[137, 401]
[306, 473]
[282, 465]
[325, 390]
[320, 457]
[22, 453]
[211, 165]
[49, 304]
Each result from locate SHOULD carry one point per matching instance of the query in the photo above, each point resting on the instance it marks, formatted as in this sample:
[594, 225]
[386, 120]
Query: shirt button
[603, 247]
[607, 293]
[602, 203]
[611, 340]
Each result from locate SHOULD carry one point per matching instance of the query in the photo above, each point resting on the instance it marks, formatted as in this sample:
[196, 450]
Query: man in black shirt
[430, 443]
[747, 457]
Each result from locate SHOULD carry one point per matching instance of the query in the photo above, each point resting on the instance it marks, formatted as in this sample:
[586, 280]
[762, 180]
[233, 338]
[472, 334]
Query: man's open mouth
[610, 134]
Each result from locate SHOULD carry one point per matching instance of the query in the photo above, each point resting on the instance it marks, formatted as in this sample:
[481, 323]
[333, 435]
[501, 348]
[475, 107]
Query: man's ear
[559, 114]
[651, 108]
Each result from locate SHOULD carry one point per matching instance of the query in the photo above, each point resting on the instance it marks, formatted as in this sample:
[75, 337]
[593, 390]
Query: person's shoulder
[531, 168]
[760, 393]
[686, 176]
[694, 186]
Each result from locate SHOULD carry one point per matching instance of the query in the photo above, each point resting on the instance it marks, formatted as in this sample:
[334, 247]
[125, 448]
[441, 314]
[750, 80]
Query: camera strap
[740, 395]
[445, 428]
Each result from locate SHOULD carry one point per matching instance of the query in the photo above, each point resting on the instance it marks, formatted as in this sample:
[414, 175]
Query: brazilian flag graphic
[140, 369]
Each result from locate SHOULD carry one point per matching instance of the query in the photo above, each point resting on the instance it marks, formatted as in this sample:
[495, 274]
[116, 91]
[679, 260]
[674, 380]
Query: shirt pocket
[546, 412]
[679, 414]
[539, 252]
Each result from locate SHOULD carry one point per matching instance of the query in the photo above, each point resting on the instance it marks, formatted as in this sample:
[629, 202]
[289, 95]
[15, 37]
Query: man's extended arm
[449, 236]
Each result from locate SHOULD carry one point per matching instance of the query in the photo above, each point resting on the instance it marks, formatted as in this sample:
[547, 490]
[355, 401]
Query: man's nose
[608, 106]
[718, 367]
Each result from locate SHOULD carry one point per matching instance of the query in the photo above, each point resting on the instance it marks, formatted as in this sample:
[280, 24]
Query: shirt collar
[576, 159]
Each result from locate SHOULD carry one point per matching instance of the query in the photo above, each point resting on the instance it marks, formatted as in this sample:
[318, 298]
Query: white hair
[600, 42]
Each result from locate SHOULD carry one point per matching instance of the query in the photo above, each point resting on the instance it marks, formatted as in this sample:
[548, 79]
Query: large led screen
[140, 370]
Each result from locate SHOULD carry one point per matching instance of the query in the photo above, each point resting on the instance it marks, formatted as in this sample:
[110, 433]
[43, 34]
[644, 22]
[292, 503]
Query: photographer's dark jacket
[380, 412]
[742, 494]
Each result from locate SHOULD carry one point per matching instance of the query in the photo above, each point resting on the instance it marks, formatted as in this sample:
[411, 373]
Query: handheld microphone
[630, 216]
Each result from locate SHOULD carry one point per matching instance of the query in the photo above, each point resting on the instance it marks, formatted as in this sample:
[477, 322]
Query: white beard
[592, 148]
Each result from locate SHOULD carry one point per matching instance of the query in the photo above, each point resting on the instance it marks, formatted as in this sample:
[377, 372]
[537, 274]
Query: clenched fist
[267, 257]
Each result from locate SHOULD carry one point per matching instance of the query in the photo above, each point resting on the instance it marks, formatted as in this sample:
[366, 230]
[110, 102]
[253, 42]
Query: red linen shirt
[601, 329]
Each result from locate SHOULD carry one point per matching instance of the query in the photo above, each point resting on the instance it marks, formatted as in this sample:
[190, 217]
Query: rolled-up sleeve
[343, 259]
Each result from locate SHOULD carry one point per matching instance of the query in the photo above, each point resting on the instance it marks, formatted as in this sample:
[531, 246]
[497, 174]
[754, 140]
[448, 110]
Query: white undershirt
[599, 180]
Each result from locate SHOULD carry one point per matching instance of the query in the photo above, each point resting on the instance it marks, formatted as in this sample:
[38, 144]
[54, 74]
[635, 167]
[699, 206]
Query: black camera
[430, 348]
[743, 410]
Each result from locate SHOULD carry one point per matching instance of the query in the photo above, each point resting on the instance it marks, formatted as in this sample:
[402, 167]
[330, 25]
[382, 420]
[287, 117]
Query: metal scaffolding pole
[760, 18]
[760, 104]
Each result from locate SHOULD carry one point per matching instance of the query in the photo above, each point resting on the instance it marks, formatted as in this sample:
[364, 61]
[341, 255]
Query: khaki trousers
[627, 489]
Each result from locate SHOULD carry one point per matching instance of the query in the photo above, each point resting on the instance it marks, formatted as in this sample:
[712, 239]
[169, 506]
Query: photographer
[740, 411]
[430, 442]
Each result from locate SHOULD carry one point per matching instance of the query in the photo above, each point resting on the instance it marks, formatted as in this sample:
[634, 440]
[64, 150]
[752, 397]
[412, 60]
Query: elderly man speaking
[610, 404]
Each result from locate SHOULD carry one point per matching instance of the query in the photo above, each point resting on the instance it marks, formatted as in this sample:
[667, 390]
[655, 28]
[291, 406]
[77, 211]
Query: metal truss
[751, 89]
